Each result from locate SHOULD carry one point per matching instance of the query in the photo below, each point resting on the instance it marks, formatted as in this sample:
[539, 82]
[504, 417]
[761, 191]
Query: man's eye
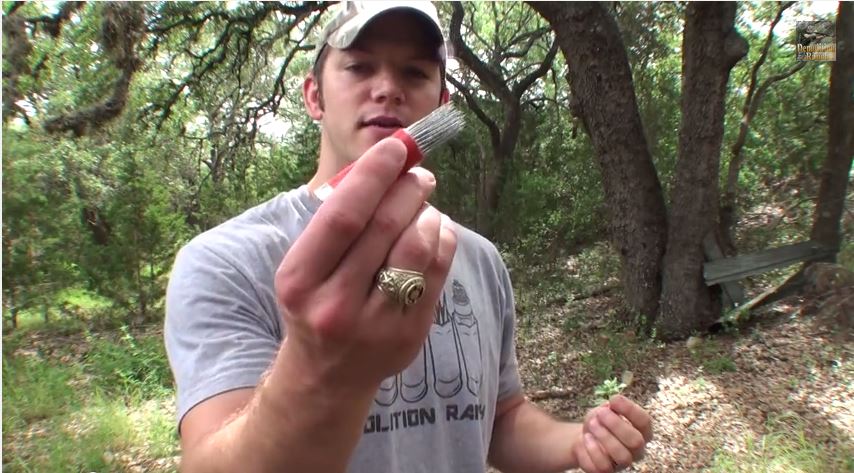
[357, 67]
[416, 72]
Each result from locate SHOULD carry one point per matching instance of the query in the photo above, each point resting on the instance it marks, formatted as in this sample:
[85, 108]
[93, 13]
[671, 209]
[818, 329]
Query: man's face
[386, 80]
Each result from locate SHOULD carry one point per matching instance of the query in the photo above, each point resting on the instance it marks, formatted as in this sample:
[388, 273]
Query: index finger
[634, 413]
[344, 214]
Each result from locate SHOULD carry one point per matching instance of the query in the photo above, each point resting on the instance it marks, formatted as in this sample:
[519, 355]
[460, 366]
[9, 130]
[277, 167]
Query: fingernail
[423, 174]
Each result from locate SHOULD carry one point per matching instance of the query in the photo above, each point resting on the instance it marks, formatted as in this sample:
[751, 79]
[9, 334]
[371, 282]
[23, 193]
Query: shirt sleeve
[218, 337]
[509, 383]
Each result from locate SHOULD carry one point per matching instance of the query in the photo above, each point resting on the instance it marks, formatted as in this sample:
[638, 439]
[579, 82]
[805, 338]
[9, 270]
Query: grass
[68, 308]
[613, 354]
[80, 440]
[708, 353]
[35, 389]
[720, 364]
[90, 413]
[785, 448]
[130, 366]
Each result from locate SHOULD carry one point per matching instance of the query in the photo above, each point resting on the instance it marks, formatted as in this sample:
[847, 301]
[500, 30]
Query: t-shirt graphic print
[450, 363]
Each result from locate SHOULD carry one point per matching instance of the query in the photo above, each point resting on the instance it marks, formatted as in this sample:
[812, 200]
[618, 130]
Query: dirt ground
[786, 368]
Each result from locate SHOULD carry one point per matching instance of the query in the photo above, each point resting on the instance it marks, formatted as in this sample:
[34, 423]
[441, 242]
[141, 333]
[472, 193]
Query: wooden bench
[728, 271]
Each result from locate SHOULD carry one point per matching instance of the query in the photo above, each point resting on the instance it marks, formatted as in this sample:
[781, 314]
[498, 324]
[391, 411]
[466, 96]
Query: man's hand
[614, 435]
[343, 333]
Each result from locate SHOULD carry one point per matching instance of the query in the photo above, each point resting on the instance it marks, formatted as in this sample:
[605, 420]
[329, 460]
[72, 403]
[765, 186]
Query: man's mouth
[383, 122]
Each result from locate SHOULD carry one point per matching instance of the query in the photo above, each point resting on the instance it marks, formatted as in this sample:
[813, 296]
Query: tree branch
[530, 36]
[121, 30]
[279, 85]
[760, 91]
[496, 40]
[160, 33]
[53, 24]
[529, 80]
[232, 43]
[13, 7]
[494, 132]
[488, 77]
[769, 40]
[751, 105]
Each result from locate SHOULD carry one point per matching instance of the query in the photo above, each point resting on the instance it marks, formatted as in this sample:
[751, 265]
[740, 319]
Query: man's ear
[446, 96]
[312, 98]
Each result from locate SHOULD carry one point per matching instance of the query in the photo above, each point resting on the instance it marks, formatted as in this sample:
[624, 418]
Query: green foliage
[144, 238]
[608, 388]
[38, 224]
[84, 440]
[558, 281]
[615, 353]
[129, 366]
[786, 447]
[155, 427]
[554, 193]
[83, 303]
[61, 413]
[708, 353]
[107, 211]
[34, 389]
[787, 139]
[652, 33]
[91, 224]
[720, 364]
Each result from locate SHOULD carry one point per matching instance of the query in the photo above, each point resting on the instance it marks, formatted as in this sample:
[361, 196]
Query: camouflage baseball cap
[352, 17]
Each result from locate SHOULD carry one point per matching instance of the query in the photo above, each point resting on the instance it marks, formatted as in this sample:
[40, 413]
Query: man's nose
[387, 87]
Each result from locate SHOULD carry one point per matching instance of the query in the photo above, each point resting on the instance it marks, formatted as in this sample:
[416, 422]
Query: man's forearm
[526, 439]
[292, 424]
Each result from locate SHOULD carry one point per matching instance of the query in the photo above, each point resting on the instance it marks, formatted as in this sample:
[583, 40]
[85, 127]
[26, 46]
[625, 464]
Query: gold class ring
[404, 286]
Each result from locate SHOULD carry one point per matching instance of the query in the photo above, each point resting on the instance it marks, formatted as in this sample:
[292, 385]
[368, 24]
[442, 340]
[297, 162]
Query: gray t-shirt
[223, 329]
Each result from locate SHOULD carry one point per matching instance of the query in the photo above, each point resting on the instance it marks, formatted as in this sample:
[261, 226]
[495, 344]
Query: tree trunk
[11, 303]
[492, 187]
[487, 186]
[495, 164]
[94, 220]
[90, 216]
[502, 157]
[711, 47]
[840, 139]
[45, 310]
[603, 97]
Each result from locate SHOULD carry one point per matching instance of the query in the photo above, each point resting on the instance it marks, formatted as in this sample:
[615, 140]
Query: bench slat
[742, 266]
[733, 293]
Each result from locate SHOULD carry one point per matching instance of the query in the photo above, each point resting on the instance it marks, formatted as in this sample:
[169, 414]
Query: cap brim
[348, 33]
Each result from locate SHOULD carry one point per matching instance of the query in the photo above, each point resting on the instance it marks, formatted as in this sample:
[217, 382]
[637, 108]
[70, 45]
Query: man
[290, 357]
